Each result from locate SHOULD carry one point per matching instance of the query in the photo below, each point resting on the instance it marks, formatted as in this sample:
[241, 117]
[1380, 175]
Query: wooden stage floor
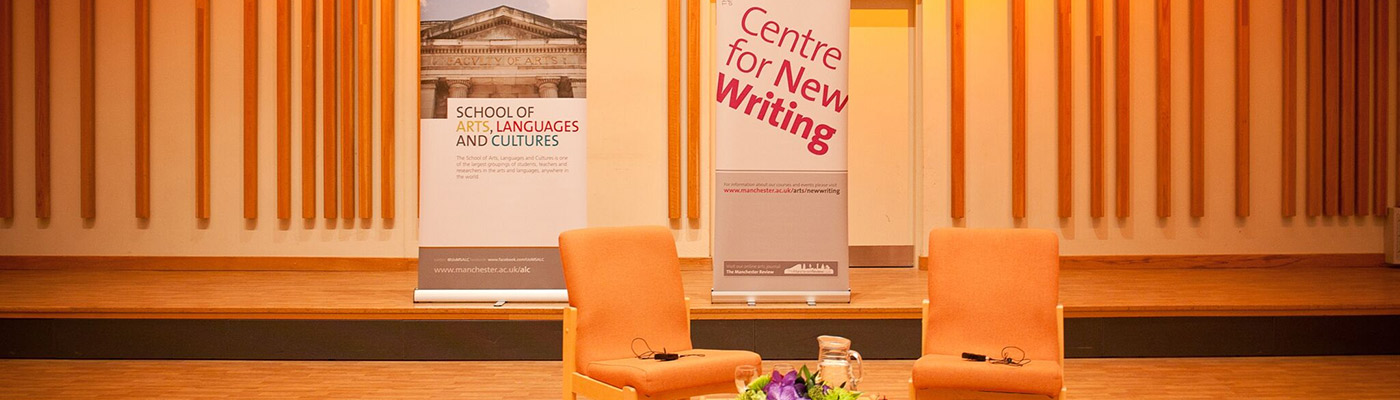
[892, 293]
[1357, 377]
[877, 294]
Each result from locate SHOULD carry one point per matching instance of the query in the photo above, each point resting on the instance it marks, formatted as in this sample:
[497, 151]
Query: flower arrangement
[795, 385]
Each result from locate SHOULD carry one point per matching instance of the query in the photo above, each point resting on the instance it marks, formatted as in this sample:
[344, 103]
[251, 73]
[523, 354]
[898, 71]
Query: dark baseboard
[1232, 336]
[773, 339]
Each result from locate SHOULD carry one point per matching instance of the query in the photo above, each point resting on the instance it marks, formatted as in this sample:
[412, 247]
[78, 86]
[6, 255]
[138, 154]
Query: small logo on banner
[780, 268]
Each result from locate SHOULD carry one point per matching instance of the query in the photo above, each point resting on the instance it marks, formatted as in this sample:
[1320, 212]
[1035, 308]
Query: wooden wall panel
[250, 109]
[1198, 109]
[1363, 106]
[364, 112]
[1065, 95]
[42, 142]
[87, 109]
[1096, 109]
[673, 108]
[7, 126]
[329, 123]
[308, 109]
[1242, 108]
[1332, 106]
[1346, 202]
[346, 92]
[143, 108]
[87, 105]
[364, 95]
[284, 109]
[387, 140]
[1122, 98]
[957, 117]
[1289, 112]
[1382, 123]
[201, 110]
[1315, 124]
[692, 143]
[1164, 108]
[1018, 109]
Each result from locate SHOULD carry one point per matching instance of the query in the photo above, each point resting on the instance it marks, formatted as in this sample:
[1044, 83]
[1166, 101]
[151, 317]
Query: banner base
[780, 296]
[490, 295]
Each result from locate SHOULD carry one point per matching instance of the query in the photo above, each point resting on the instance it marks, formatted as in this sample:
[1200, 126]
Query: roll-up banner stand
[502, 97]
[780, 151]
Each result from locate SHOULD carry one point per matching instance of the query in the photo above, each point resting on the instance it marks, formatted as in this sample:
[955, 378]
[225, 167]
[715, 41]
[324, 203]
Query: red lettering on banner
[830, 98]
[831, 54]
[731, 89]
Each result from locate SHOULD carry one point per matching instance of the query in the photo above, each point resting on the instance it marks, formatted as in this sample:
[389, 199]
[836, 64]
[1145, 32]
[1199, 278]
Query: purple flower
[783, 387]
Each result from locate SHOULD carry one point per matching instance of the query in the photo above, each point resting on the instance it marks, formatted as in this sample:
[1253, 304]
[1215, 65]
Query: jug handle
[858, 373]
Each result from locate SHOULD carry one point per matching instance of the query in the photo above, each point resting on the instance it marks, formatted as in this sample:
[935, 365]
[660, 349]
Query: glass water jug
[834, 362]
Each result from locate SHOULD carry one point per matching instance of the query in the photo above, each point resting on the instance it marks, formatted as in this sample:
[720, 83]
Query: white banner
[503, 147]
[780, 174]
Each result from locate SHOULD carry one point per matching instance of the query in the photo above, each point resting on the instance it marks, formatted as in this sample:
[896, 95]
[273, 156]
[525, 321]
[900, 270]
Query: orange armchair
[625, 283]
[987, 289]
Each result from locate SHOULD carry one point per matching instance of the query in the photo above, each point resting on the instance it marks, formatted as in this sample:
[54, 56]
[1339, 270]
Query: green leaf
[840, 394]
[758, 384]
[752, 395]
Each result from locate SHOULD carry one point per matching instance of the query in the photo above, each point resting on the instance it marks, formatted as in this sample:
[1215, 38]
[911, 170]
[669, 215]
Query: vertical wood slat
[1164, 108]
[42, 141]
[284, 109]
[1064, 93]
[1289, 193]
[308, 109]
[7, 138]
[250, 109]
[329, 123]
[346, 92]
[1346, 203]
[1018, 109]
[363, 96]
[387, 140]
[87, 67]
[201, 110]
[692, 147]
[1332, 106]
[143, 108]
[1242, 108]
[1382, 123]
[1096, 109]
[958, 119]
[1198, 109]
[1315, 123]
[1122, 122]
[673, 108]
[418, 137]
[1363, 104]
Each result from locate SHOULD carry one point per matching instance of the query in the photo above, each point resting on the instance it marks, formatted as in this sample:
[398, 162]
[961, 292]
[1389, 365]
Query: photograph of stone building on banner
[501, 49]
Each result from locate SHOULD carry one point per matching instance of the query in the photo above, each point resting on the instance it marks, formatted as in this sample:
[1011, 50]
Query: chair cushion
[936, 371]
[652, 377]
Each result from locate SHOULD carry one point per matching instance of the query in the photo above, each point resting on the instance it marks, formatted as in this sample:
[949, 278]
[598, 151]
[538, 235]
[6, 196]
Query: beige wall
[900, 71]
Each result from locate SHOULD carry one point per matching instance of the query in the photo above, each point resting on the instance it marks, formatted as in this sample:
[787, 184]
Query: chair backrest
[626, 284]
[991, 288]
